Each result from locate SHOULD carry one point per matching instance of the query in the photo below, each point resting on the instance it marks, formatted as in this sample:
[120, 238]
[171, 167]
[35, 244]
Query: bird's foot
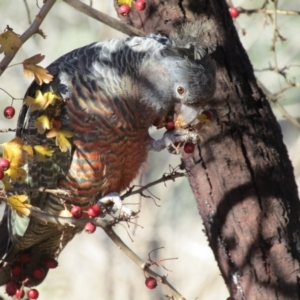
[173, 139]
[115, 204]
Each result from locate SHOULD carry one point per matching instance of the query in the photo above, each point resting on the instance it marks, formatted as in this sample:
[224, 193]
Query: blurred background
[91, 266]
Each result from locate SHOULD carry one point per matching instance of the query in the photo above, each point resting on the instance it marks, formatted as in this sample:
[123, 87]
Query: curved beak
[185, 114]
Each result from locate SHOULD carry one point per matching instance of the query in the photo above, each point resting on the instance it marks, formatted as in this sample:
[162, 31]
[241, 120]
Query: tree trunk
[241, 175]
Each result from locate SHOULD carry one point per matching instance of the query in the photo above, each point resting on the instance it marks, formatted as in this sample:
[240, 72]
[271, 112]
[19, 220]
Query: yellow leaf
[62, 141]
[9, 42]
[7, 185]
[29, 151]
[42, 123]
[33, 60]
[40, 74]
[16, 174]
[18, 203]
[66, 133]
[15, 153]
[61, 138]
[204, 119]
[43, 151]
[41, 101]
[128, 2]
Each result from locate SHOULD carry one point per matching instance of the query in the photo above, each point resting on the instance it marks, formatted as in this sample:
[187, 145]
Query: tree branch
[106, 225]
[33, 28]
[113, 23]
[141, 264]
[172, 176]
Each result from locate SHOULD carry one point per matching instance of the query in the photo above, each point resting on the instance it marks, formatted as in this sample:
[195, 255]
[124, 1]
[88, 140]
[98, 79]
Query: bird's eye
[180, 90]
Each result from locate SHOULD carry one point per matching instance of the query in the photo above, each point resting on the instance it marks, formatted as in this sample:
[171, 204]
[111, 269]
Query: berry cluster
[93, 212]
[21, 279]
[124, 9]
[170, 125]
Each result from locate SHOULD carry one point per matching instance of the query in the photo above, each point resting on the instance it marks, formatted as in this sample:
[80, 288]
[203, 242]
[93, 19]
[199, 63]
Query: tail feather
[4, 235]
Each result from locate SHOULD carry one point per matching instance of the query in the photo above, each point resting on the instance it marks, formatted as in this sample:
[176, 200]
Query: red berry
[140, 5]
[38, 273]
[94, 211]
[189, 148]
[51, 263]
[234, 12]
[19, 294]
[90, 227]
[9, 112]
[4, 163]
[124, 10]
[207, 114]
[11, 287]
[16, 269]
[25, 258]
[33, 294]
[1, 173]
[170, 125]
[76, 212]
[151, 283]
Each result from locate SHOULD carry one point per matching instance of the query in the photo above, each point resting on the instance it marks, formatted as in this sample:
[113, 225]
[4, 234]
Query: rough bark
[241, 175]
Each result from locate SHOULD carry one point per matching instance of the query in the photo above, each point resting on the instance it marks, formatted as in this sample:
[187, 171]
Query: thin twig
[274, 100]
[164, 178]
[10, 95]
[28, 33]
[28, 12]
[269, 11]
[113, 23]
[106, 225]
[141, 264]
[7, 130]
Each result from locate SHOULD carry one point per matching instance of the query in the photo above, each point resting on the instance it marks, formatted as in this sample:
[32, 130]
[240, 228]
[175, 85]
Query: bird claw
[118, 206]
[173, 137]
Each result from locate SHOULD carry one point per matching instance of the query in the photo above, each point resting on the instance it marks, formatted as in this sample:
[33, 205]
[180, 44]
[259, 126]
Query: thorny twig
[274, 97]
[165, 177]
[106, 224]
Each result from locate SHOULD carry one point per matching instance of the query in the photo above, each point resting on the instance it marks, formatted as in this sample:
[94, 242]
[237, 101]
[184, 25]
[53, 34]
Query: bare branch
[28, 12]
[274, 99]
[28, 33]
[141, 264]
[13, 98]
[172, 176]
[113, 23]
[106, 225]
[7, 130]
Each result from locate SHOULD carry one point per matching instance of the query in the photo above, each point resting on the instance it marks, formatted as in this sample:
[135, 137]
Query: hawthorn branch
[142, 264]
[269, 11]
[111, 22]
[106, 225]
[33, 28]
[171, 176]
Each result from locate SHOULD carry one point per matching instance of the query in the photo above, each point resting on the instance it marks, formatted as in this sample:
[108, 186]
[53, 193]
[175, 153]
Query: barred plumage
[113, 91]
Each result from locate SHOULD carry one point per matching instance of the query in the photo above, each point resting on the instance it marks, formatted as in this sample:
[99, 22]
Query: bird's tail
[4, 235]
[25, 260]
